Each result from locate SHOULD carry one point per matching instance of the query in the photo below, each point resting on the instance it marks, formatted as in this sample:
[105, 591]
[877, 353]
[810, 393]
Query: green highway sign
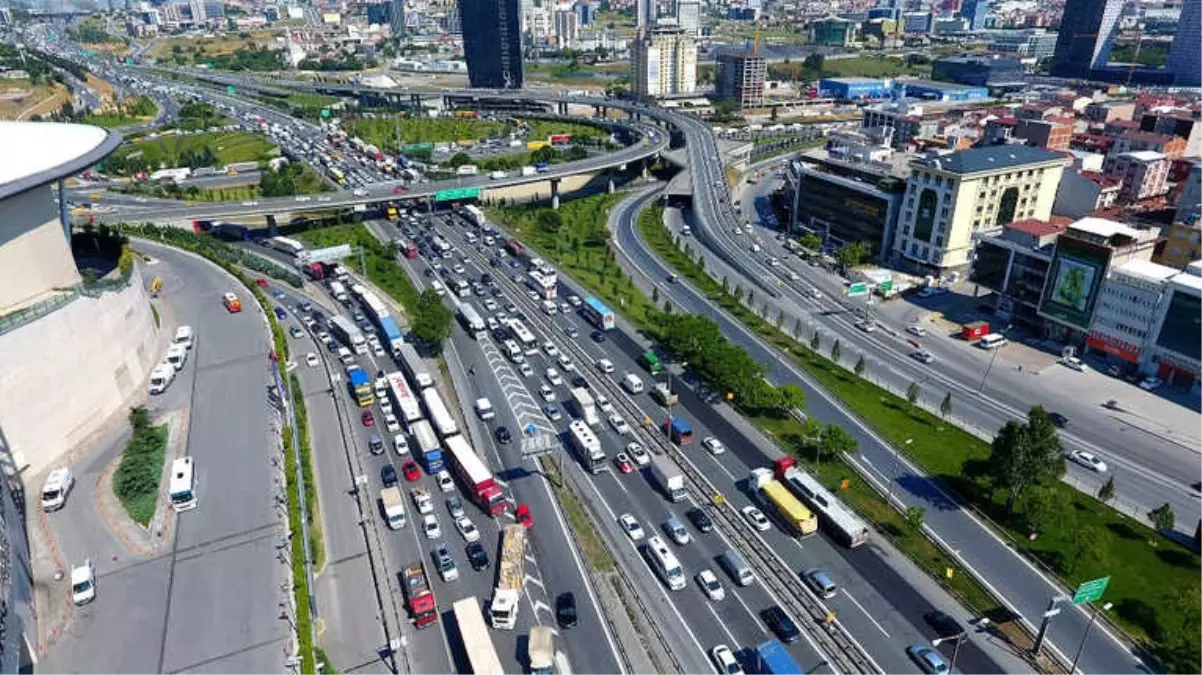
[1090, 591]
[860, 288]
[885, 287]
[229, 89]
[325, 113]
[417, 147]
[458, 193]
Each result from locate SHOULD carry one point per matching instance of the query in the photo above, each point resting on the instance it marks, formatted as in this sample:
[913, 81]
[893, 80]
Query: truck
[412, 364]
[515, 247]
[664, 395]
[650, 361]
[666, 474]
[360, 387]
[428, 445]
[772, 492]
[467, 170]
[339, 292]
[394, 507]
[678, 430]
[419, 597]
[496, 175]
[511, 572]
[392, 213]
[771, 658]
[403, 398]
[239, 167]
[422, 500]
[585, 406]
[540, 650]
[529, 171]
[315, 271]
[474, 473]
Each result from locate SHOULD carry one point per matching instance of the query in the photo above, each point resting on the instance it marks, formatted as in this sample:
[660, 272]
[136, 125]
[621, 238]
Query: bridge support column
[555, 193]
[610, 186]
[562, 108]
[415, 100]
[64, 212]
[643, 170]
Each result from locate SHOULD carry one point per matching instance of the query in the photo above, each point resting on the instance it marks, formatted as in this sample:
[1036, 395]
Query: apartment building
[1144, 173]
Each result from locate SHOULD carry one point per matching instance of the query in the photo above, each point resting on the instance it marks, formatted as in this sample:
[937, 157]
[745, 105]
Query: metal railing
[65, 296]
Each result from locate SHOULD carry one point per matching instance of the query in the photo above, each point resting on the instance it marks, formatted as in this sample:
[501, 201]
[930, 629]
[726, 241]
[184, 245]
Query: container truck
[772, 492]
[394, 507]
[474, 473]
[412, 364]
[529, 171]
[419, 597]
[585, 407]
[771, 658]
[467, 170]
[667, 475]
[239, 167]
[664, 395]
[678, 430]
[428, 445]
[511, 572]
[515, 247]
[403, 398]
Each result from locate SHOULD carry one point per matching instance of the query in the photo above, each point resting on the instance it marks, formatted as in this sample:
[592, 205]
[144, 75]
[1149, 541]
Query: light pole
[1105, 608]
[955, 651]
[988, 368]
[897, 469]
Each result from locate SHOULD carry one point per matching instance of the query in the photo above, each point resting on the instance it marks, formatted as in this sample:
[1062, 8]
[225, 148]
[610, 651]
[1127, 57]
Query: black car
[388, 475]
[503, 435]
[597, 336]
[565, 610]
[1059, 420]
[701, 521]
[781, 624]
[944, 625]
[476, 556]
[579, 381]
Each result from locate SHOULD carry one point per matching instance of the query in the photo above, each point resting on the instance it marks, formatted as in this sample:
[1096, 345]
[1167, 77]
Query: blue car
[280, 313]
[929, 660]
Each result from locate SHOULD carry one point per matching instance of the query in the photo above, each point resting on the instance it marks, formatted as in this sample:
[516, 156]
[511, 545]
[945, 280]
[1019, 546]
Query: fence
[65, 296]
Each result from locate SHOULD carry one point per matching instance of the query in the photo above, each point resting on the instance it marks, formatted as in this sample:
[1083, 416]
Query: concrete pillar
[610, 186]
[64, 213]
[415, 100]
[644, 171]
[555, 193]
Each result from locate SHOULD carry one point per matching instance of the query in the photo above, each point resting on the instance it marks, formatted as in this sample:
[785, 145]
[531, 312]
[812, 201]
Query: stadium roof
[37, 153]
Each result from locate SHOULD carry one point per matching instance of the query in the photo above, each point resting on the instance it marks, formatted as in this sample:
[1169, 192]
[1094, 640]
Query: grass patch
[595, 550]
[155, 312]
[226, 148]
[137, 481]
[382, 133]
[382, 268]
[316, 548]
[541, 129]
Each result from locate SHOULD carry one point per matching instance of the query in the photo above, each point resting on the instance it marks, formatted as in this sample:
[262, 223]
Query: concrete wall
[34, 254]
[65, 375]
[542, 189]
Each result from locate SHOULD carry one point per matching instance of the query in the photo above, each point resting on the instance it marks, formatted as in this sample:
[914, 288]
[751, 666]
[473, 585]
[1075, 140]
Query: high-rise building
[586, 13]
[740, 78]
[688, 15]
[1087, 32]
[396, 17]
[492, 43]
[1187, 45]
[197, 9]
[664, 62]
[975, 11]
[566, 27]
[645, 13]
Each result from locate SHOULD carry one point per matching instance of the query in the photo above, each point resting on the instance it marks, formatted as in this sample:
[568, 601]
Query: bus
[477, 644]
[665, 564]
[348, 333]
[523, 336]
[840, 523]
[592, 457]
[336, 174]
[650, 361]
[414, 369]
[289, 246]
[403, 398]
[440, 417]
[182, 488]
[475, 215]
[595, 312]
[470, 319]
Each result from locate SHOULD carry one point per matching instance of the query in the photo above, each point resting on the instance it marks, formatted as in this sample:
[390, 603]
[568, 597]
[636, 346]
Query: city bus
[440, 416]
[592, 457]
[182, 487]
[289, 246]
[595, 312]
[523, 336]
[470, 319]
[473, 632]
[665, 564]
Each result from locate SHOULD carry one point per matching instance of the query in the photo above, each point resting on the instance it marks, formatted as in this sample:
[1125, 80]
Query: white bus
[665, 564]
[344, 329]
[470, 319]
[440, 417]
[440, 244]
[524, 337]
[404, 398]
[413, 366]
[475, 215]
[289, 246]
[182, 487]
[477, 644]
[839, 521]
[592, 457]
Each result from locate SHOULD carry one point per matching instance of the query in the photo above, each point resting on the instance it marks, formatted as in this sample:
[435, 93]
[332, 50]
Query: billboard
[1181, 330]
[1074, 279]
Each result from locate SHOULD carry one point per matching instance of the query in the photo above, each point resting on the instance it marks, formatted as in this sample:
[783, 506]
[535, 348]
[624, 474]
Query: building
[1173, 121]
[975, 11]
[586, 13]
[1171, 147]
[950, 25]
[834, 32]
[1125, 315]
[933, 90]
[1144, 173]
[396, 17]
[1087, 32]
[917, 23]
[492, 43]
[740, 78]
[1187, 45]
[979, 71]
[854, 88]
[1084, 192]
[1050, 134]
[565, 28]
[907, 122]
[1174, 354]
[688, 15]
[664, 62]
[1189, 201]
[952, 195]
[1014, 265]
[1182, 245]
[1035, 43]
[1109, 111]
[645, 13]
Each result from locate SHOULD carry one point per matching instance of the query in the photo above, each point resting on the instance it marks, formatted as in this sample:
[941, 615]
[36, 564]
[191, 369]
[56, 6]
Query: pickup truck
[422, 500]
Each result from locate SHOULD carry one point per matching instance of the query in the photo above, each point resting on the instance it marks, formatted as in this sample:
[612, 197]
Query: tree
[1162, 517]
[835, 441]
[816, 341]
[853, 254]
[772, 116]
[459, 159]
[814, 63]
[1087, 543]
[1044, 507]
[432, 321]
[550, 221]
[945, 408]
[836, 351]
[1023, 455]
[725, 285]
[1106, 492]
[667, 306]
[796, 327]
[914, 517]
[811, 241]
[913, 393]
[780, 317]
[655, 295]
[861, 366]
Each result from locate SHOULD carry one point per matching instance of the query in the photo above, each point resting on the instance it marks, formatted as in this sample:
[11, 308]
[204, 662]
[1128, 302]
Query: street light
[897, 469]
[955, 651]
[1105, 608]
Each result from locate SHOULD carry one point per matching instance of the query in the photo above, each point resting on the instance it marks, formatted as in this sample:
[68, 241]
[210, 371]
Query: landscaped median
[137, 482]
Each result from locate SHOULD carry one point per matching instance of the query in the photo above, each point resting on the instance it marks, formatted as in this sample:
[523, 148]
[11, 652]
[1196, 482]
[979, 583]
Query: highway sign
[417, 147]
[325, 113]
[229, 89]
[1090, 591]
[332, 253]
[856, 289]
[457, 193]
[885, 287]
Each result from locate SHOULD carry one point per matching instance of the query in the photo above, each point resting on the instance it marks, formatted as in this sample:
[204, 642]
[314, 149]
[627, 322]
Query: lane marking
[861, 607]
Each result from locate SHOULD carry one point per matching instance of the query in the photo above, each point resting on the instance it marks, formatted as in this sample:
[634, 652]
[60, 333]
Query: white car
[1074, 363]
[631, 527]
[757, 518]
[638, 454]
[311, 360]
[445, 482]
[467, 529]
[1150, 383]
[566, 363]
[377, 349]
[923, 356]
[525, 369]
[866, 325]
[605, 366]
[814, 293]
[1088, 460]
[615, 420]
[385, 404]
[725, 660]
[554, 377]
[430, 526]
[574, 300]
[714, 445]
[490, 304]
[83, 583]
[547, 394]
[550, 348]
[604, 404]
[915, 329]
[708, 581]
[391, 423]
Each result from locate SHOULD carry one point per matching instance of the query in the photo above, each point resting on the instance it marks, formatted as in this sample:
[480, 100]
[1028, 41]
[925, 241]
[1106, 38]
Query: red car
[409, 468]
[623, 463]
[398, 190]
[368, 418]
[261, 282]
[523, 516]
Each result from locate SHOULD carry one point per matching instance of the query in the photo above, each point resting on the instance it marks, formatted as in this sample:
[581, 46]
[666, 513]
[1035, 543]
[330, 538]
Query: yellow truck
[799, 518]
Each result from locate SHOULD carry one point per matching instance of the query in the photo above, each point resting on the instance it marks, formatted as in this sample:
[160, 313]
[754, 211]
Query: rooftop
[854, 80]
[1144, 155]
[1105, 228]
[1040, 228]
[936, 84]
[37, 153]
[990, 158]
[1147, 270]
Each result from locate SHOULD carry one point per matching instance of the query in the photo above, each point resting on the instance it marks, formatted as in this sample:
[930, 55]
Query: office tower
[664, 62]
[197, 9]
[566, 27]
[396, 18]
[1087, 32]
[645, 13]
[1184, 57]
[492, 43]
[741, 79]
[688, 15]
[975, 11]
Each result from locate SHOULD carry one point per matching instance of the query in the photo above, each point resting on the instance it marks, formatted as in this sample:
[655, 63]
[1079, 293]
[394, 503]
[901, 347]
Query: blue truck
[678, 430]
[391, 332]
[771, 658]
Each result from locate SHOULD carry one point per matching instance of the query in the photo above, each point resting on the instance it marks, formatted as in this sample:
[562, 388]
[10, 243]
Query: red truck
[475, 474]
[418, 595]
[514, 247]
[316, 271]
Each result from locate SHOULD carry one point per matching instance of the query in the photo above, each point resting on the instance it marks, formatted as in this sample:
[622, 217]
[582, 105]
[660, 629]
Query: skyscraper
[1087, 32]
[663, 61]
[975, 11]
[741, 79]
[645, 13]
[492, 43]
[688, 15]
[396, 18]
[1183, 58]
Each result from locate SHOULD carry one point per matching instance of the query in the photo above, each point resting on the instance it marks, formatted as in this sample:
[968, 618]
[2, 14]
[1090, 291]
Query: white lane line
[857, 604]
[721, 624]
[724, 469]
[620, 486]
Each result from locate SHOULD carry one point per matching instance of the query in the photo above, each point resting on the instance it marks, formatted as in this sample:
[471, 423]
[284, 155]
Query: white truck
[394, 507]
[660, 392]
[529, 171]
[506, 597]
[668, 477]
[496, 175]
[339, 292]
[422, 500]
[585, 406]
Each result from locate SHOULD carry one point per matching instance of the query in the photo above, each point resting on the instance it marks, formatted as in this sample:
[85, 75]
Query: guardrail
[65, 296]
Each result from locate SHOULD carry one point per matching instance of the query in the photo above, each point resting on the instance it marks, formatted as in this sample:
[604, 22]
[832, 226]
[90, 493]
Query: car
[922, 356]
[701, 520]
[569, 330]
[1088, 460]
[491, 305]
[780, 623]
[605, 366]
[445, 482]
[604, 404]
[944, 625]
[566, 363]
[929, 660]
[638, 453]
[756, 518]
[1150, 383]
[412, 473]
[444, 563]
[398, 190]
[820, 582]
[714, 445]
[579, 382]
[598, 336]
[391, 423]
[385, 405]
[367, 418]
[631, 527]
[279, 312]
[522, 515]
[710, 585]
[455, 507]
[430, 526]
[565, 610]
[866, 325]
[550, 348]
[554, 377]
[546, 393]
[676, 531]
[725, 660]
[1074, 363]
[375, 445]
[477, 557]
[619, 425]
[467, 529]
[83, 583]
[552, 412]
[261, 282]
[503, 435]
[388, 475]
[525, 369]
[915, 329]
[622, 461]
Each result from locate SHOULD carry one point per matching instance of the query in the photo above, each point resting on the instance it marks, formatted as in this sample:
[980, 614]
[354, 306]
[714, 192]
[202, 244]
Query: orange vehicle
[232, 304]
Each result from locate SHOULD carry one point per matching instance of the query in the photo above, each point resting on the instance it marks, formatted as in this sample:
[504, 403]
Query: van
[161, 377]
[183, 336]
[549, 308]
[484, 409]
[177, 354]
[736, 567]
[991, 341]
[438, 289]
[676, 530]
[632, 383]
[54, 491]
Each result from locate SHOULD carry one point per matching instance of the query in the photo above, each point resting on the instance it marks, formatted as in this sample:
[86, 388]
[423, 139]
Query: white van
[161, 377]
[632, 383]
[183, 336]
[484, 409]
[54, 491]
[549, 308]
[991, 341]
[177, 354]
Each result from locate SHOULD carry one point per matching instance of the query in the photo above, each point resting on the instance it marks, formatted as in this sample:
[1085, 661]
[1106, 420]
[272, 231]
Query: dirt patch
[101, 87]
[22, 103]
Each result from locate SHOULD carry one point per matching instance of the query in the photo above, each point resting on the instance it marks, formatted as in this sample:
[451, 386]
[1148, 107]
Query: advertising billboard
[1074, 279]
